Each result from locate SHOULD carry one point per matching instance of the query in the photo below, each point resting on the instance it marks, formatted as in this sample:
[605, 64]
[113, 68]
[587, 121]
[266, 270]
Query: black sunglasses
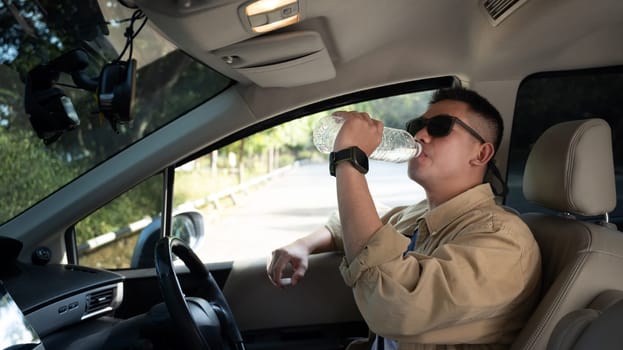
[439, 126]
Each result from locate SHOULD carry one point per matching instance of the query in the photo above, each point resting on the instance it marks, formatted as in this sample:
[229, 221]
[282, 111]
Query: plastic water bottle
[396, 146]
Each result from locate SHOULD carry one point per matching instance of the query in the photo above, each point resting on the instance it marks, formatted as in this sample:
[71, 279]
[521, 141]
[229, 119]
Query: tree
[169, 83]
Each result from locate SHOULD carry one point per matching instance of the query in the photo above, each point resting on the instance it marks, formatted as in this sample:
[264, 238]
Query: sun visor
[281, 60]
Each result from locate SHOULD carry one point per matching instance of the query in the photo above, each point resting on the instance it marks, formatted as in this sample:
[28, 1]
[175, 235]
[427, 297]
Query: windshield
[40, 93]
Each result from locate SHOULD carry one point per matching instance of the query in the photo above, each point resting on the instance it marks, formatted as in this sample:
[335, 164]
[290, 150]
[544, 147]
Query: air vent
[99, 301]
[498, 10]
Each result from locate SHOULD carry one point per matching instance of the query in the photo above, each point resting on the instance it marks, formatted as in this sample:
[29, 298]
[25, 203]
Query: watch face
[361, 159]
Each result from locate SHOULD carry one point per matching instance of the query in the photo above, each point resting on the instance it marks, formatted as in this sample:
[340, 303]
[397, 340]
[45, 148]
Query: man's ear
[485, 154]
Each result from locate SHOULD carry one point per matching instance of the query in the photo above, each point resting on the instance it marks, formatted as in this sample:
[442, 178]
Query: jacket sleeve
[334, 225]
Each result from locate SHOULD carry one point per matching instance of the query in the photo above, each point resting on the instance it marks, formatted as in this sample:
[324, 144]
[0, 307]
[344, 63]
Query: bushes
[144, 200]
[31, 172]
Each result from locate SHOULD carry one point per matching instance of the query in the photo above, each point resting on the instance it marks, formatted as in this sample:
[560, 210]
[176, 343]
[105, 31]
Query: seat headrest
[571, 168]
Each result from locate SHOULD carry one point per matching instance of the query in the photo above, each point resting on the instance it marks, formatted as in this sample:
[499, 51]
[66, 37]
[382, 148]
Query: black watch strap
[353, 155]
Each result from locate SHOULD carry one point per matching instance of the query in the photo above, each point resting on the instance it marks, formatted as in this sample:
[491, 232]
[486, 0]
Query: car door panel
[319, 312]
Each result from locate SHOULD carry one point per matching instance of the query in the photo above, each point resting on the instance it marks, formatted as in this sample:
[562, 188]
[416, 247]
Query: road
[293, 205]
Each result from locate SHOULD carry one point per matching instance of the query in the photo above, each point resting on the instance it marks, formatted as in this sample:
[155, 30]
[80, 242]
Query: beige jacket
[471, 282]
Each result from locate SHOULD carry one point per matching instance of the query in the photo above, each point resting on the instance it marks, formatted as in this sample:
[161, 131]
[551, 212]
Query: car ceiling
[372, 43]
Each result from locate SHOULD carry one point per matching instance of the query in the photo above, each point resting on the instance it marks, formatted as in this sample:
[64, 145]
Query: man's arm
[358, 215]
[357, 212]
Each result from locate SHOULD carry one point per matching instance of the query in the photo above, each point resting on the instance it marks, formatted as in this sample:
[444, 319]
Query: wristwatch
[353, 154]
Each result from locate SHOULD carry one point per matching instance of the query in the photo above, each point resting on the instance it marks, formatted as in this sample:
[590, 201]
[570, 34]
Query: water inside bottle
[397, 155]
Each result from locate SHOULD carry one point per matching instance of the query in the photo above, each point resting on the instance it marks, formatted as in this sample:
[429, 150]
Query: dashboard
[43, 299]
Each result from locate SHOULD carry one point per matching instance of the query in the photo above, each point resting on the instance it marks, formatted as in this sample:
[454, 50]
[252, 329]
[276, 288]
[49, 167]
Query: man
[455, 271]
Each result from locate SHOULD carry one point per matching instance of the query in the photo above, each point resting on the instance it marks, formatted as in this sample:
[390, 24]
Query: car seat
[570, 171]
[596, 326]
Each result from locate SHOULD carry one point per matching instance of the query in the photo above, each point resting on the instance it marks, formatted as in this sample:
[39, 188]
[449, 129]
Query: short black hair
[477, 104]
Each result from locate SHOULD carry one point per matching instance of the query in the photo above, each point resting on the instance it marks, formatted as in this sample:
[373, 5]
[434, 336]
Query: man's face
[445, 158]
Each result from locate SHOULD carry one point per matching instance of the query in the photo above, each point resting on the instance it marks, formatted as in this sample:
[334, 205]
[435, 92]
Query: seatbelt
[380, 343]
[411, 246]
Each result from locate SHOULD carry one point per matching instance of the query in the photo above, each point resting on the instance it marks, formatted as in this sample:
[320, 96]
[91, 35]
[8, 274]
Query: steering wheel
[203, 324]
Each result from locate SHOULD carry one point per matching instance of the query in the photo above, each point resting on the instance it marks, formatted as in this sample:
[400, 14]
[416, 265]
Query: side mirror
[186, 225]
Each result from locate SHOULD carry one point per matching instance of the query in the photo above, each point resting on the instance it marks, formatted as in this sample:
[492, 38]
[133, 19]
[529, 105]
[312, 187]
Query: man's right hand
[295, 254]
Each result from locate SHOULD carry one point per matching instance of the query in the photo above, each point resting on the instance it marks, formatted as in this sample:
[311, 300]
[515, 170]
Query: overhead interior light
[266, 15]
[276, 25]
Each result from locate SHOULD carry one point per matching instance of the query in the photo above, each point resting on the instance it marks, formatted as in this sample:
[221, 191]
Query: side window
[122, 233]
[550, 98]
[273, 187]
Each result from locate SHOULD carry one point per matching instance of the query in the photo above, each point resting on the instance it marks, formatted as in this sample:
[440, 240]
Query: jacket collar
[456, 207]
